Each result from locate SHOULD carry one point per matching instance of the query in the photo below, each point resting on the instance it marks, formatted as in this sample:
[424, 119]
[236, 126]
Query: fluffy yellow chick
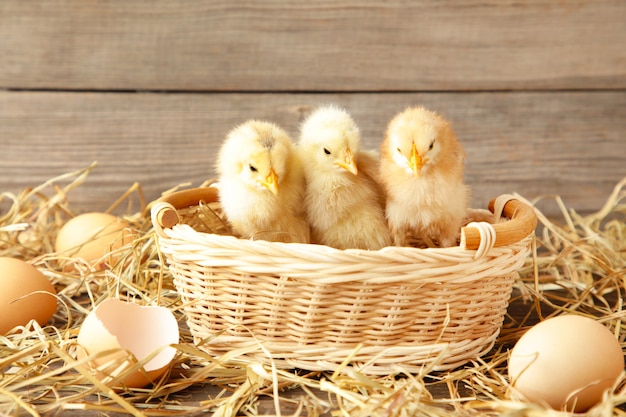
[261, 184]
[343, 207]
[421, 170]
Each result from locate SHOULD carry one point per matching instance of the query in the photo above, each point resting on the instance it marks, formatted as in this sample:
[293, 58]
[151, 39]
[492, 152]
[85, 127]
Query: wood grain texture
[534, 143]
[274, 45]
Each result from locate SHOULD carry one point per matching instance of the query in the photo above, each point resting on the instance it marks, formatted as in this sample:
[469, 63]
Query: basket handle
[164, 213]
[523, 222]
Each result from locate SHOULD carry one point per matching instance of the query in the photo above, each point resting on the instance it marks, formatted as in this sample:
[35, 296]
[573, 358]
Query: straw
[579, 268]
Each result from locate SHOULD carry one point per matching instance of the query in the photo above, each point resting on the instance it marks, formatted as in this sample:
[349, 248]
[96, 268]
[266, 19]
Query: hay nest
[579, 266]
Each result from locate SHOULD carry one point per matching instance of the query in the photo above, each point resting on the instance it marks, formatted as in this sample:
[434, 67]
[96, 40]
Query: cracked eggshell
[91, 236]
[567, 362]
[126, 327]
[25, 294]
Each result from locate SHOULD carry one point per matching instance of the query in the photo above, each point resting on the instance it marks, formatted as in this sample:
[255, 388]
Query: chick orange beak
[271, 182]
[416, 161]
[348, 163]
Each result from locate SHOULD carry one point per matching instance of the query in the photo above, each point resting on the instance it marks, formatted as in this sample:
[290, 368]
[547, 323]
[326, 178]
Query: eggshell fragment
[25, 294]
[91, 236]
[567, 362]
[126, 327]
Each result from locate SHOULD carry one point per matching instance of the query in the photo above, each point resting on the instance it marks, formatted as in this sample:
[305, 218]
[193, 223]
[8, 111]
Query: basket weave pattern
[312, 306]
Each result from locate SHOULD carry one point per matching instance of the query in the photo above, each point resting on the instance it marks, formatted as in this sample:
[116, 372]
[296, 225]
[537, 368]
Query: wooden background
[535, 89]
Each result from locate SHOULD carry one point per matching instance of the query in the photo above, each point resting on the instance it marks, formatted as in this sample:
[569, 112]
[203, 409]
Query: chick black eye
[399, 150]
[431, 145]
[326, 151]
[253, 168]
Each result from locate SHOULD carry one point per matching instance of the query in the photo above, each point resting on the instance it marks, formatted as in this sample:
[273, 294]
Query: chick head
[416, 139]
[330, 140]
[257, 154]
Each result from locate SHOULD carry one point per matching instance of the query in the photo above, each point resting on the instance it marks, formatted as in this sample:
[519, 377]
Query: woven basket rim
[326, 264]
[164, 215]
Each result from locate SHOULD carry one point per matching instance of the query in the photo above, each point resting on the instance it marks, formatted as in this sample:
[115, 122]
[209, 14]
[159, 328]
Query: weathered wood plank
[398, 45]
[568, 143]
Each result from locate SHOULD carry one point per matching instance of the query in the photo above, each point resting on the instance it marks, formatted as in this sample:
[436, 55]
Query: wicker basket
[317, 308]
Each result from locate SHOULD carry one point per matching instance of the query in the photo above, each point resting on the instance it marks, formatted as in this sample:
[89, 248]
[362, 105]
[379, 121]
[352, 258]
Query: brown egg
[92, 236]
[566, 362]
[121, 327]
[25, 294]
